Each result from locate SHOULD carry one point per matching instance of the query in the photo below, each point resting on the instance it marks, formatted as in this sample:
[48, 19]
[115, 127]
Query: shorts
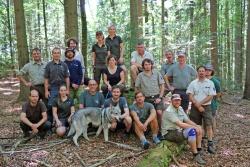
[199, 117]
[151, 100]
[177, 135]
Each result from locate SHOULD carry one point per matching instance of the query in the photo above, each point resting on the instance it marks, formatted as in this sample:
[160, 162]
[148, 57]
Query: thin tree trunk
[38, 36]
[228, 44]
[71, 20]
[247, 82]
[9, 33]
[133, 24]
[140, 19]
[84, 34]
[45, 30]
[21, 41]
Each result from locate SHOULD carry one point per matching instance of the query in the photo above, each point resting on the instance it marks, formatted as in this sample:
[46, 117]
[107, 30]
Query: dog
[99, 117]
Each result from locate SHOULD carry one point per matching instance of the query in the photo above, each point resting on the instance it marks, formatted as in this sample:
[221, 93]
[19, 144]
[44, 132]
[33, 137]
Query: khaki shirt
[35, 72]
[149, 85]
[169, 118]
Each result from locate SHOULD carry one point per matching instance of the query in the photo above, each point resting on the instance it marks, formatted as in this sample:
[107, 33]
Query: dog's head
[115, 112]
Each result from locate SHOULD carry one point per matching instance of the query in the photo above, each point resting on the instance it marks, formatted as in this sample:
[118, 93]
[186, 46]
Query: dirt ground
[232, 140]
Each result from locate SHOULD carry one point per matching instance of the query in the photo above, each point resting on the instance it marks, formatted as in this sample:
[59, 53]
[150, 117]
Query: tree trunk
[228, 44]
[140, 19]
[213, 31]
[84, 34]
[133, 24]
[247, 82]
[23, 55]
[45, 30]
[71, 22]
[238, 53]
[164, 42]
[38, 33]
[9, 33]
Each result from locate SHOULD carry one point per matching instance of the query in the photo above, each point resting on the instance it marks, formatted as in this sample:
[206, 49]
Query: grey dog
[100, 118]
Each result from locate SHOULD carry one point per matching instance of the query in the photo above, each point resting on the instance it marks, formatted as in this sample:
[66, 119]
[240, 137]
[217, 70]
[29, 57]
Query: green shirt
[114, 44]
[169, 118]
[89, 100]
[144, 112]
[63, 107]
[214, 103]
[35, 72]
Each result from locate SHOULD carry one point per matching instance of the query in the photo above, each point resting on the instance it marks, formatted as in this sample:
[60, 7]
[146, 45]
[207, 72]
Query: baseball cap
[209, 67]
[181, 53]
[69, 50]
[176, 97]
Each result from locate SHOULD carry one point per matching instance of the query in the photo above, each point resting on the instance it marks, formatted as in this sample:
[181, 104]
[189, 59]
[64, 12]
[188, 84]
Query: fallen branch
[128, 147]
[103, 161]
[23, 140]
[176, 162]
[36, 149]
[131, 155]
[229, 103]
[80, 159]
[36, 161]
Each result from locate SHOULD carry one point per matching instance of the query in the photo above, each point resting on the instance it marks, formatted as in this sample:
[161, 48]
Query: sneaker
[210, 149]
[156, 140]
[145, 144]
[199, 160]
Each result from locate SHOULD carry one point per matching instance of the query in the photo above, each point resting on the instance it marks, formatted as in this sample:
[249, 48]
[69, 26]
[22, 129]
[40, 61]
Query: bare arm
[44, 119]
[58, 122]
[126, 113]
[93, 58]
[121, 50]
[72, 110]
[67, 83]
[151, 117]
[122, 76]
[25, 120]
[26, 83]
[46, 87]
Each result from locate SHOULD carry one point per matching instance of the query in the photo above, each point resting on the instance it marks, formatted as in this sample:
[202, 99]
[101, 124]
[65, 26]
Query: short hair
[112, 25]
[147, 61]
[169, 51]
[140, 43]
[91, 80]
[33, 89]
[138, 92]
[56, 48]
[71, 39]
[199, 67]
[110, 57]
[116, 87]
[36, 50]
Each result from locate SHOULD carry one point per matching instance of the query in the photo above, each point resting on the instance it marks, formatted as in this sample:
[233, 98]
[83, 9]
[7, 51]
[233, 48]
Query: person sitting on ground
[113, 75]
[100, 52]
[63, 109]
[177, 127]
[34, 116]
[91, 97]
[115, 100]
[144, 114]
[136, 61]
[76, 75]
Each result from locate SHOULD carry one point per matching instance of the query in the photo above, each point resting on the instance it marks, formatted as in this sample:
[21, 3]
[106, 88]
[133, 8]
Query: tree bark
[228, 44]
[213, 31]
[9, 33]
[45, 30]
[71, 22]
[247, 82]
[23, 55]
[84, 34]
[133, 24]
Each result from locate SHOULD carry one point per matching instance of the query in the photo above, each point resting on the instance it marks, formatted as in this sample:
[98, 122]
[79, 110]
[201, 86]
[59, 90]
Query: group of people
[54, 86]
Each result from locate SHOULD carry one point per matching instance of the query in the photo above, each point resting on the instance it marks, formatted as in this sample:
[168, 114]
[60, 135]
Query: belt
[152, 97]
[184, 90]
[39, 85]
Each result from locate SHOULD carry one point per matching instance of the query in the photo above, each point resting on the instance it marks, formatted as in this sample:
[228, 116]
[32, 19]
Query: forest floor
[232, 140]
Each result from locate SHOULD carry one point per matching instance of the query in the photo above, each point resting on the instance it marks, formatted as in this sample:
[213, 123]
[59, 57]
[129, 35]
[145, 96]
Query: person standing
[35, 71]
[201, 92]
[181, 75]
[100, 52]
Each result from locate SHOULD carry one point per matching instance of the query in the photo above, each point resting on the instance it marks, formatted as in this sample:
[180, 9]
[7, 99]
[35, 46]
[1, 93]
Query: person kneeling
[34, 117]
[177, 127]
[63, 109]
[144, 114]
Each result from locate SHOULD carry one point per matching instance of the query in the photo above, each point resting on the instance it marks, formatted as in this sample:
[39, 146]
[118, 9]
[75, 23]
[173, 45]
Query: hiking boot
[199, 160]
[145, 144]
[156, 140]
[210, 149]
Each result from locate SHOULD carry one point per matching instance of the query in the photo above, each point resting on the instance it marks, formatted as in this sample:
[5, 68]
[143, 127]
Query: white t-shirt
[136, 58]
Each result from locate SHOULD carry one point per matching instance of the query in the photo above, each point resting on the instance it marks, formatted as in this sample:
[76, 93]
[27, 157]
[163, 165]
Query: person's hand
[121, 60]
[141, 126]
[67, 92]
[201, 109]
[47, 94]
[58, 123]
[28, 84]
[69, 119]
[34, 128]
[75, 86]
[145, 126]
[158, 100]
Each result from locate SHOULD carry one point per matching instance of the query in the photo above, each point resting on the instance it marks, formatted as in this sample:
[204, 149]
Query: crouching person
[34, 117]
[63, 109]
[144, 115]
[177, 127]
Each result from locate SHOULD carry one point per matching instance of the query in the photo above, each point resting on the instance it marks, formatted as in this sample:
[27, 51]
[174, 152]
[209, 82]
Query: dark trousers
[41, 129]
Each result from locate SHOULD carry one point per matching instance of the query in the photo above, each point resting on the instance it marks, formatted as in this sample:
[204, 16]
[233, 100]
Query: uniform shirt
[75, 70]
[89, 100]
[122, 103]
[113, 78]
[34, 113]
[101, 54]
[165, 67]
[35, 72]
[56, 73]
[63, 108]
[214, 103]
[144, 112]
[149, 85]
[201, 89]
[136, 58]
[181, 77]
[114, 45]
[169, 118]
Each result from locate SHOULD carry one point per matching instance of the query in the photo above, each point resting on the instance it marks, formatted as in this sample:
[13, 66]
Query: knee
[128, 120]
[113, 125]
[192, 135]
[133, 68]
[47, 125]
[60, 131]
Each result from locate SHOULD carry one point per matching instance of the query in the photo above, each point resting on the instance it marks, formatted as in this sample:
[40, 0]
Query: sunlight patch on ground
[239, 115]
[13, 109]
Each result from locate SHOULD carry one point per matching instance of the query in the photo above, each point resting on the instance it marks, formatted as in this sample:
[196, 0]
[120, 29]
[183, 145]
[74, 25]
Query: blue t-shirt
[89, 100]
[122, 103]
